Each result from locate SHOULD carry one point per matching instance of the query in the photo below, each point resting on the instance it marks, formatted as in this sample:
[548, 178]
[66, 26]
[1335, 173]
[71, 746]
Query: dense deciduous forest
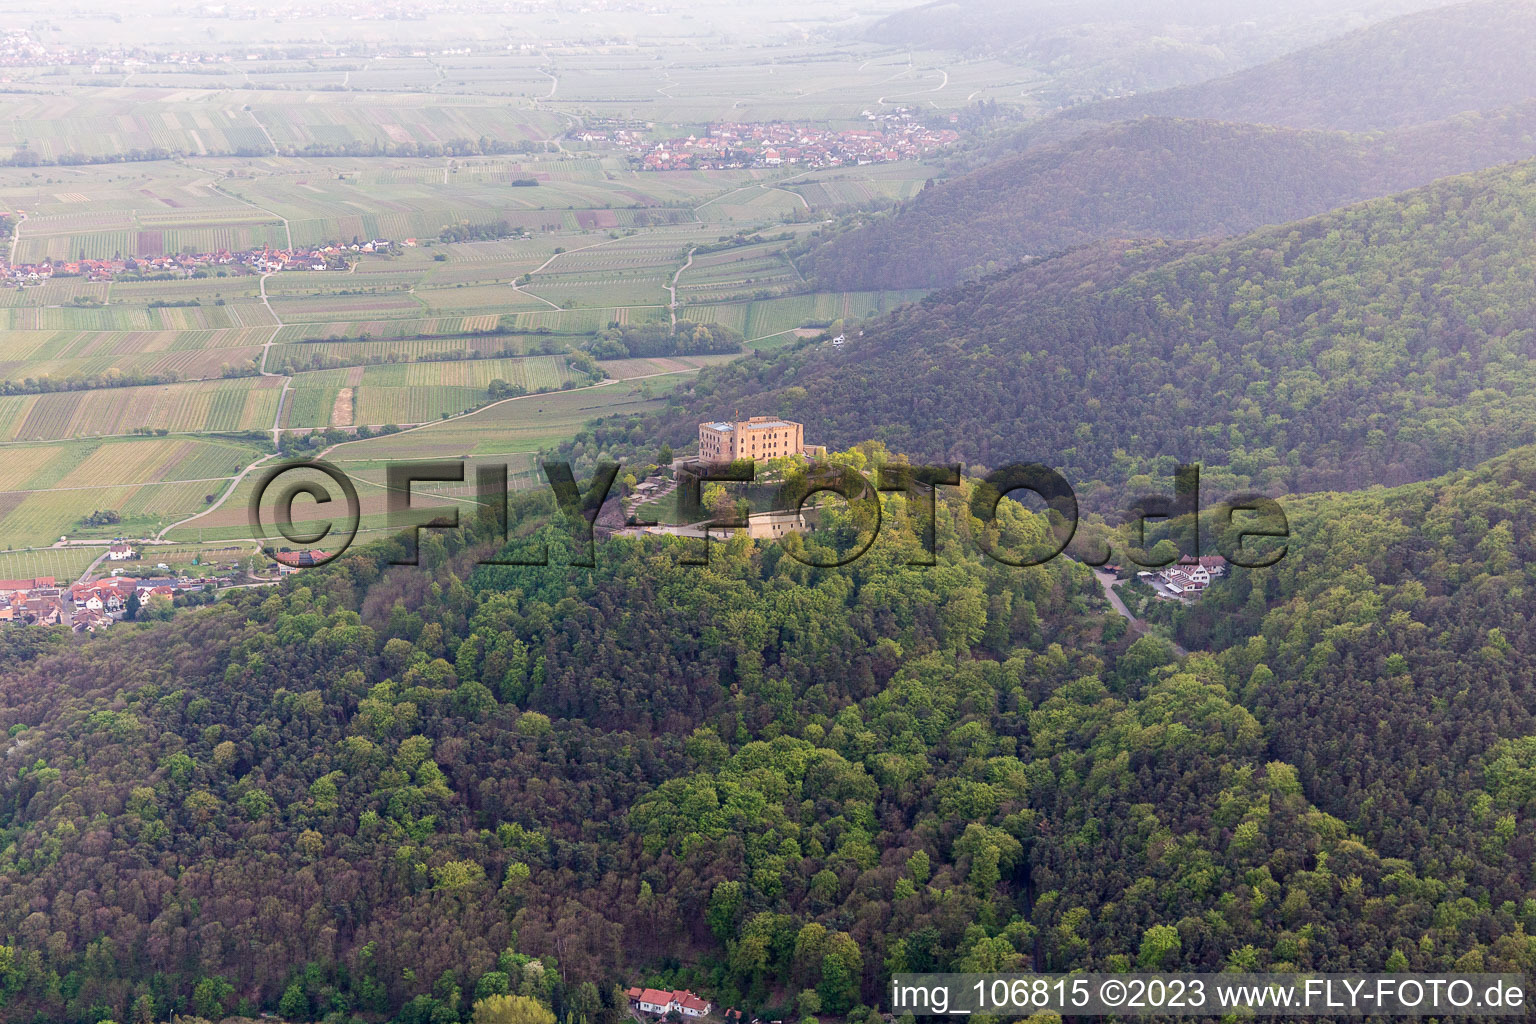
[1397, 639]
[1379, 344]
[1153, 178]
[391, 792]
[381, 785]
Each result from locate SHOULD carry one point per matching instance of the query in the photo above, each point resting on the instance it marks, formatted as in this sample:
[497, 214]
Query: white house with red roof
[660, 1001]
[1191, 576]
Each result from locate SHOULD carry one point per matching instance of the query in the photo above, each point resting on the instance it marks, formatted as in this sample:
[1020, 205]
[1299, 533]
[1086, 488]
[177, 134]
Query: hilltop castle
[759, 439]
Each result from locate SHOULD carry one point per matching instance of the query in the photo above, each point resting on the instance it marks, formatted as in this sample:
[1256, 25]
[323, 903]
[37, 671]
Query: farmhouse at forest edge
[658, 1001]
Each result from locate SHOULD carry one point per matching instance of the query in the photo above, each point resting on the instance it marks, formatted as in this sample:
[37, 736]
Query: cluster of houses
[86, 607]
[734, 145]
[263, 260]
[36, 600]
[1186, 579]
[660, 1002]
[19, 49]
[96, 604]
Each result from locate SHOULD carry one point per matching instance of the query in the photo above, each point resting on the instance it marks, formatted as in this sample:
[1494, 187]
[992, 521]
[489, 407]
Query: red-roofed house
[654, 1000]
[301, 559]
[13, 586]
[690, 1004]
[659, 1001]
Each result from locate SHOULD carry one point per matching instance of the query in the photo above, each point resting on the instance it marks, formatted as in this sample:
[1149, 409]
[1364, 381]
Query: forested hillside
[1396, 645]
[1420, 67]
[1154, 178]
[379, 791]
[1095, 48]
[1387, 342]
[382, 793]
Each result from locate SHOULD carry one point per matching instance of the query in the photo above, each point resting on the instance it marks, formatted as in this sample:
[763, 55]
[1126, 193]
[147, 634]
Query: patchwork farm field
[227, 526]
[518, 426]
[767, 317]
[744, 272]
[93, 123]
[56, 354]
[323, 307]
[389, 330]
[412, 392]
[47, 490]
[414, 348]
[499, 267]
[132, 318]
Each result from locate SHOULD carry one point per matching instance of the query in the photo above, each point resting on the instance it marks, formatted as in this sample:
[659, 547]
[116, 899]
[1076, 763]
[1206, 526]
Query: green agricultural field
[767, 317]
[47, 490]
[603, 244]
[386, 330]
[64, 564]
[745, 272]
[403, 393]
[521, 425]
[479, 299]
[231, 521]
[417, 348]
[59, 354]
[323, 308]
[532, 373]
[200, 406]
[126, 318]
[89, 122]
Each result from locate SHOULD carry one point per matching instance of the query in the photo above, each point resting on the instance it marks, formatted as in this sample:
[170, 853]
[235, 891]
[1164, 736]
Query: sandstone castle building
[759, 439]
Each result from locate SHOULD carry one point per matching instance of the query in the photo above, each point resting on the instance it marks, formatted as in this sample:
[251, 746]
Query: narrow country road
[1107, 581]
[85, 577]
[672, 288]
[16, 234]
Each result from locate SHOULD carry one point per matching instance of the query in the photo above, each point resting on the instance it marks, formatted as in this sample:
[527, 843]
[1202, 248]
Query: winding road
[672, 288]
[1108, 581]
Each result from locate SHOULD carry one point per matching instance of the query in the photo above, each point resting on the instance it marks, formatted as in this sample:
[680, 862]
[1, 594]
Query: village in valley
[93, 605]
[130, 588]
[891, 136]
[303, 244]
[263, 260]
